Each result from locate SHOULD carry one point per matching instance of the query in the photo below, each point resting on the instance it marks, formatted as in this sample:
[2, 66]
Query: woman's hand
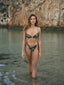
[39, 54]
[23, 55]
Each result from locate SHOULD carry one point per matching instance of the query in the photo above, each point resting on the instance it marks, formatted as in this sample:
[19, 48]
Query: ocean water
[14, 69]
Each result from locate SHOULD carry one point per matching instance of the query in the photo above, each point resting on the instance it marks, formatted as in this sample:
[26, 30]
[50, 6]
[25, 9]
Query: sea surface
[14, 69]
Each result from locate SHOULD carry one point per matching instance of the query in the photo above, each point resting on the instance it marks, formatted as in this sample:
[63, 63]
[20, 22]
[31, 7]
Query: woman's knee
[34, 64]
[29, 62]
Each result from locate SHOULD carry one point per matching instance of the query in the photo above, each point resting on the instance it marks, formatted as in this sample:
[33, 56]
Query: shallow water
[14, 69]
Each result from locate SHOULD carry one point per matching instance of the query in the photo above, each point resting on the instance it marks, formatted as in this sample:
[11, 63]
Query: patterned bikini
[29, 36]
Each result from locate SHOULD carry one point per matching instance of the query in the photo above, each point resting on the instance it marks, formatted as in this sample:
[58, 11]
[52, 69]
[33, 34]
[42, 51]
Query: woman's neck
[32, 26]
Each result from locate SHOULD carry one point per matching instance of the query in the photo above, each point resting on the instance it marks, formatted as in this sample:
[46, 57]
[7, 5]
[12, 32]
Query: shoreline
[44, 29]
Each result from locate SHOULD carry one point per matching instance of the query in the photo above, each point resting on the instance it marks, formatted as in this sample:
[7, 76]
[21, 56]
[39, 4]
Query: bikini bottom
[32, 48]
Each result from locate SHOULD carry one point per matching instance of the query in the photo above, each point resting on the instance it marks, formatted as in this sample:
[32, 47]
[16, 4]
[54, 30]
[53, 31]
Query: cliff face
[48, 12]
[3, 12]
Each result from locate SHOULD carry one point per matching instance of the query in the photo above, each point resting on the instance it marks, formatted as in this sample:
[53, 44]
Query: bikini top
[35, 36]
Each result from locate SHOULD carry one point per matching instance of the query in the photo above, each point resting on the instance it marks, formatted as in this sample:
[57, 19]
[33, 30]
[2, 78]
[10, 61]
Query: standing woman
[32, 44]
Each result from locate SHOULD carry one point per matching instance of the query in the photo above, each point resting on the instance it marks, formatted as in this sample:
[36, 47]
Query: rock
[48, 12]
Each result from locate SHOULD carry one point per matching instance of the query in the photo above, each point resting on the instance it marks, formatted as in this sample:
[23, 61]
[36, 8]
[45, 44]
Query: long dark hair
[29, 24]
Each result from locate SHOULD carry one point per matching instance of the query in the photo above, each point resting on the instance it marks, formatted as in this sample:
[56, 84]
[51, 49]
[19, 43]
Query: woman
[32, 44]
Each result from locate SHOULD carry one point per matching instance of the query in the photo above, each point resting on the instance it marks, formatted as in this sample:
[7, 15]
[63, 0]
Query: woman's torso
[32, 38]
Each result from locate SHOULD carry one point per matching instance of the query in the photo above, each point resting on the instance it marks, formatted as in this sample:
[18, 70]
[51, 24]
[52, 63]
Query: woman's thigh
[35, 55]
[28, 53]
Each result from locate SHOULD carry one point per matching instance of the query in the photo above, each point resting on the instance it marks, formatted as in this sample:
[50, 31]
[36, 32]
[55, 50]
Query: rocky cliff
[48, 12]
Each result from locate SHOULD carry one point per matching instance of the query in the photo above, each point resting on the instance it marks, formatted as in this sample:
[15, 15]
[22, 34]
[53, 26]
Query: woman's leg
[34, 63]
[28, 54]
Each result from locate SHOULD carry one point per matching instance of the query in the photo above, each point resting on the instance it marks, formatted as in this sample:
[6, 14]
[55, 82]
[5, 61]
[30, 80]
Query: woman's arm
[23, 44]
[39, 41]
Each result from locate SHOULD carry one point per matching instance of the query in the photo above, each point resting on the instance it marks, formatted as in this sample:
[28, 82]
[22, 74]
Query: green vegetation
[3, 10]
[4, 15]
[2, 4]
[1, 20]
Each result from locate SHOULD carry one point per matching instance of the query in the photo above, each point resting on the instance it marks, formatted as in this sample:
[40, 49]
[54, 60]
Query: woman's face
[33, 20]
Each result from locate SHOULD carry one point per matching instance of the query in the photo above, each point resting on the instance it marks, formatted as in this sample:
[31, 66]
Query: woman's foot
[34, 74]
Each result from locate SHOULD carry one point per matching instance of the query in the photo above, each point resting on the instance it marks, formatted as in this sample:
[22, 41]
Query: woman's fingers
[22, 55]
[39, 55]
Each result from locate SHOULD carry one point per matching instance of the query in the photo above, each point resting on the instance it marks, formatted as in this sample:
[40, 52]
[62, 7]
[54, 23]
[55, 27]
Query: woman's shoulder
[38, 28]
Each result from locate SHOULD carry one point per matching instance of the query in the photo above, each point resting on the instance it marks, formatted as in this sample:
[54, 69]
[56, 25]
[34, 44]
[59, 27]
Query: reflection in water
[19, 79]
[0, 74]
[14, 70]
[6, 78]
[2, 64]
[7, 81]
[33, 82]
